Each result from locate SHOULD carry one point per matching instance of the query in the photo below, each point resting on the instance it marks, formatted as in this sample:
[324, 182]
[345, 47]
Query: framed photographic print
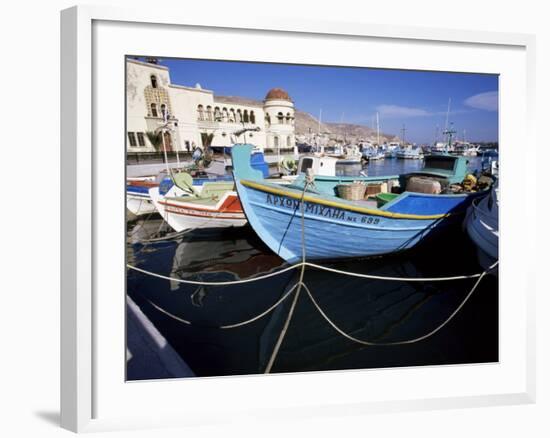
[273, 207]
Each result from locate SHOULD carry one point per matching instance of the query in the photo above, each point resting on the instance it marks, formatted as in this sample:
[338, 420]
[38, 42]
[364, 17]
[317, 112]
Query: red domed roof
[277, 94]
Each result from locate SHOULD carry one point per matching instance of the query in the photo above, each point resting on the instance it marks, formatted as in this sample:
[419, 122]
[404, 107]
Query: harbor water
[373, 310]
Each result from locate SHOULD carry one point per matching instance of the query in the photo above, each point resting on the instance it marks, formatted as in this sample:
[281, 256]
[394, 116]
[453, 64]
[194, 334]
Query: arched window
[276, 141]
[239, 116]
[252, 117]
[245, 116]
[217, 114]
[280, 118]
[224, 114]
[232, 115]
[200, 110]
[288, 118]
[209, 113]
[163, 111]
[154, 112]
[154, 82]
[268, 119]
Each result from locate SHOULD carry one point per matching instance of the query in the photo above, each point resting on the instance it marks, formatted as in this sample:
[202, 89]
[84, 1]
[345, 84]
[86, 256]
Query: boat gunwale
[295, 194]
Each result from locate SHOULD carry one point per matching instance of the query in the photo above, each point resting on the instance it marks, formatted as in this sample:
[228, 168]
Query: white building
[190, 117]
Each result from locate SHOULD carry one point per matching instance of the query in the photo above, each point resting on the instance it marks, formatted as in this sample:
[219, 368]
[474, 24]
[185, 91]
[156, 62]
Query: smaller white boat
[442, 147]
[349, 154]
[409, 153]
[481, 224]
[471, 151]
[373, 154]
[138, 201]
[216, 205]
[390, 149]
[466, 149]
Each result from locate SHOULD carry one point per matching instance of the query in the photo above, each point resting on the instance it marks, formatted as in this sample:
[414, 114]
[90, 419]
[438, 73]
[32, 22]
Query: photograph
[295, 218]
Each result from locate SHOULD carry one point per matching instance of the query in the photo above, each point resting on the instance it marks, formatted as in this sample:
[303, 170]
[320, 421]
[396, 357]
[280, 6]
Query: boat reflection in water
[374, 310]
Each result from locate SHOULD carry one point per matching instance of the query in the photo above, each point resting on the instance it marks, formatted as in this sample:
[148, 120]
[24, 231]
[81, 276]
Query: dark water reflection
[367, 309]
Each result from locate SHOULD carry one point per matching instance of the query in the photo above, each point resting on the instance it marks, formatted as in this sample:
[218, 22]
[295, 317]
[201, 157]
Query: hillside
[307, 124]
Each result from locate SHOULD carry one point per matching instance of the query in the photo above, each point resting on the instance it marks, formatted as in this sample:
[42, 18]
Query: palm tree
[206, 139]
[155, 138]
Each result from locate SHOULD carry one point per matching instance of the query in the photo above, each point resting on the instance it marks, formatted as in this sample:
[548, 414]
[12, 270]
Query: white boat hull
[183, 216]
[139, 205]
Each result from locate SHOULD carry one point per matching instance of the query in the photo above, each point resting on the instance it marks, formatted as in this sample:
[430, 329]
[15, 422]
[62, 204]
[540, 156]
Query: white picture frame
[83, 317]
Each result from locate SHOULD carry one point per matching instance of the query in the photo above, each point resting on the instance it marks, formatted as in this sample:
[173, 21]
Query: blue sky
[353, 95]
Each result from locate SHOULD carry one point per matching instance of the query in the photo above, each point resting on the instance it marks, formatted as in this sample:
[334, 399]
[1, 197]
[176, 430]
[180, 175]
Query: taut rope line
[314, 266]
[300, 284]
[216, 283]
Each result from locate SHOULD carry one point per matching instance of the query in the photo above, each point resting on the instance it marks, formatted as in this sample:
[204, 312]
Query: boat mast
[377, 130]
[341, 123]
[403, 129]
[449, 131]
[319, 129]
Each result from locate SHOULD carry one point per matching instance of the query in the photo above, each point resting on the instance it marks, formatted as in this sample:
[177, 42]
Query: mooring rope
[216, 283]
[234, 325]
[389, 278]
[297, 287]
[314, 266]
[300, 284]
[408, 341]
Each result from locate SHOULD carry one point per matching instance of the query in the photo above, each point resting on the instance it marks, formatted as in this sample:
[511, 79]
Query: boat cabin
[451, 168]
[323, 166]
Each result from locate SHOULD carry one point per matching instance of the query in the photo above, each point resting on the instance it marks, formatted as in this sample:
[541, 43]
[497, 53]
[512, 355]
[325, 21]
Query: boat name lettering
[320, 210]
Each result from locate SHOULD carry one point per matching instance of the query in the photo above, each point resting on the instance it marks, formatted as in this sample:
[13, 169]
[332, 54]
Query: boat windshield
[307, 163]
[440, 162]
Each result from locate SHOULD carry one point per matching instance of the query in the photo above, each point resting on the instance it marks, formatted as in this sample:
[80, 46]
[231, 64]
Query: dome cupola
[277, 94]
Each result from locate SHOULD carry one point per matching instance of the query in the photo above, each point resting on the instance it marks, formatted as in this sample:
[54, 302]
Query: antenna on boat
[449, 133]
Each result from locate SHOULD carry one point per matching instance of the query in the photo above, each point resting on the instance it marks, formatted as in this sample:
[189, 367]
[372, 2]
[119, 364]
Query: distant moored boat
[482, 226]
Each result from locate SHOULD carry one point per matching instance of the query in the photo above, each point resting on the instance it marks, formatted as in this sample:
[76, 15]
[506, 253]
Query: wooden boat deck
[368, 203]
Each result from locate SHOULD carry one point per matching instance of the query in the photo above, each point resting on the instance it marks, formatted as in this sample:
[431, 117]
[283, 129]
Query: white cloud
[401, 111]
[486, 101]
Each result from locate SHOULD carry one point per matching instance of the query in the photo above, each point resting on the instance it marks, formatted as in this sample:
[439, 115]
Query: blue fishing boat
[336, 228]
